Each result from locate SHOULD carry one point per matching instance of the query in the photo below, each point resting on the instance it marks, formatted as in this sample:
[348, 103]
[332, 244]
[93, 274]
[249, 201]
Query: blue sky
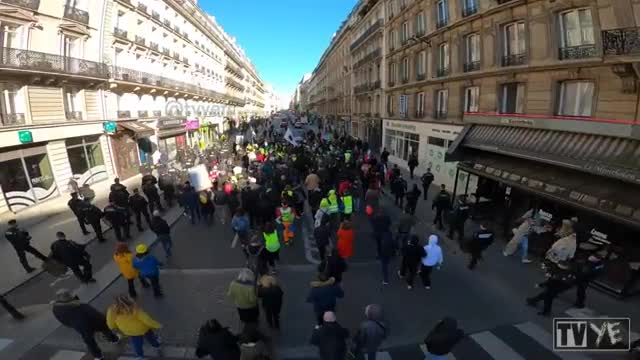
[283, 38]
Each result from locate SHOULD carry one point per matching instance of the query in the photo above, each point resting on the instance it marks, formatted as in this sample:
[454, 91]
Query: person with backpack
[371, 332]
[207, 208]
[242, 291]
[442, 339]
[426, 178]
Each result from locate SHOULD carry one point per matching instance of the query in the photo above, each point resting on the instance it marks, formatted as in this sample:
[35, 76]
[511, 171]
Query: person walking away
[123, 257]
[345, 240]
[140, 207]
[480, 241]
[240, 224]
[427, 179]
[74, 256]
[84, 319]
[271, 294]
[207, 207]
[388, 247]
[131, 320]
[413, 163]
[218, 342]
[333, 210]
[442, 204]
[253, 344]
[384, 156]
[151, 192]
[118, 217]
[371, 332]
[442, 339]
[242, 292]
[190, 203]
[285, 216]
[381, 223]
[330, 338]
[149, 268]
[324, 294]
[587, 271]
[356, 193]
[220, 200]
[161, 228]
[412, 200]
[346, 201]
[168, 187]
[433, 258]
[314, 197]
[398, 188]
[91, 214]
[412, 253]
[459, 218]
[21, 242]
[76, 205]
[560, 278]
[321, 236]
[334, 266]
[258, 257]
[272, 245]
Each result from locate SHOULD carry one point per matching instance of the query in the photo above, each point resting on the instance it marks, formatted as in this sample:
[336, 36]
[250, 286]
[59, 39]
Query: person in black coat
[480, 240]
[413, 163]
[442, 203]
[76, 206]
[91, 214]
[271, 295]
[399, 188]
[412, 253]
[427, 179]
[74, 256]
[459, 218]
[586, 272]
[218, 342]
[21, 242]
[388, 248]
[118, 217]
[412, 200]
[151, 192]
[322, 235]
[330, 338]
[84, 319]
[168, 187]
[189, 200]
[333, 266]
[381, 223]
[161, 228]
[140, 206]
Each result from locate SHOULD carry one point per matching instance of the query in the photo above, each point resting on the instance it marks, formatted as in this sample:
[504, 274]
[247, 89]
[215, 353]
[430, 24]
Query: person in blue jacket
[323, 295]
[149, 267]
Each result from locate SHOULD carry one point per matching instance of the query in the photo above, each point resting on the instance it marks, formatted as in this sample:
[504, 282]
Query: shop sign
[109, 126]
[517, 121]
[399, 125]
[546, 216]
[625, 174]
[25, 136]
[192, 124]
[170, 123]
[599, 236]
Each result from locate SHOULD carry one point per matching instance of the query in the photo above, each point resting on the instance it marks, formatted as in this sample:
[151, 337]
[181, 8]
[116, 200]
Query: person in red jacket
[345, 240]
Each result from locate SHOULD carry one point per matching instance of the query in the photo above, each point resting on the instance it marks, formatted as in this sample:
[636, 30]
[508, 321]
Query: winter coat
[345, 243]
[151, 191]
[219, 345]
[370, 335]
[148, 265]
[91, 214]
[271, 297]
[125, 264]
[189, 199]
[442, 201]
[68, 252]
[563, 249]
[138, 202]
[159, 226]
[331, 340]
[381, 223]
[434, 252]
[240, 224]
[137, 323]
[78, 316]
[321, 235]
[388, 245]
[243, 294]
[324, 295]
[412, 254]
[334, 266]
[444, 336]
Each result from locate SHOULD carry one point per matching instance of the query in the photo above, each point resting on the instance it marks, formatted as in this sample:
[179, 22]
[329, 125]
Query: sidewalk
[42, 222]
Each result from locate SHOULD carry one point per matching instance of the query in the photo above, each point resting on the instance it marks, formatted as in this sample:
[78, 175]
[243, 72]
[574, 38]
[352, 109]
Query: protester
[413, 163]
[149, 268]
[240, 224]
[76, 205]
[272, 245]
[151, 192]
[330, 338]
[118, 217]
[74, 256]
[433, 258]
[412, 254]
[412, 200]
[388, 248]
[442, 204]
[131, 320]
[333, 266]
[323, 295]
[285, 216]
[20, 240]
[426, 179]
[189, 201]
[345, 240]
[371, 332]
[399, 188]
[243, 293]
[322, 236]
[161, 228]
[123, 257]
[216, 341]
[381, 223]
[271, 294]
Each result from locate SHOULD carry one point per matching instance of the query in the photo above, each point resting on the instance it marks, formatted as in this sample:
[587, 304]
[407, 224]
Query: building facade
[95, 89]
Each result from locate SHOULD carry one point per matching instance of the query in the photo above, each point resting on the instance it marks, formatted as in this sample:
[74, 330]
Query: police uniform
[460, 215]
[20, 240]
[119, 219]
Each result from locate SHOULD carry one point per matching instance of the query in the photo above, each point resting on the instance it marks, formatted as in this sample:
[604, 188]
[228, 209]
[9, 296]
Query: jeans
[425, 274]
[138, 341]
[155, 285]
[524, 247]
[193, 212]
[356, 204]
[132, 287]
[384, 263]
[167, 244]
[23, 258]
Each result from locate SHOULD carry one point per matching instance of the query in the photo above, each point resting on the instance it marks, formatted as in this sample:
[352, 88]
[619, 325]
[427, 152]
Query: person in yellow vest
[271, 245]
[285, 216]
[333, 210]
[347, 205]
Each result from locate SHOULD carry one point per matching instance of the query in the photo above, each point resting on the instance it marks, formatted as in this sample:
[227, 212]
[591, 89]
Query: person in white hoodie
[432, 259]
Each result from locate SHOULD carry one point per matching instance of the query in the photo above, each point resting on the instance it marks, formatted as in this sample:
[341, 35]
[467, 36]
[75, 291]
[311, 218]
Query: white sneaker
[409, 287]
[504, 253]
[428, 287]
[385, 283]
[526, 261]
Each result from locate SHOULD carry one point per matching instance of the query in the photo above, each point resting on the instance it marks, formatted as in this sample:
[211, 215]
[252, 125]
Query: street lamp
[415, 39]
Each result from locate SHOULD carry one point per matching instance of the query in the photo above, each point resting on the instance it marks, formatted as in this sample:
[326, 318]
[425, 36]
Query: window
[85, 158]
[392, 39]
[442, 14]
[436, 141]
[514, 39]
[403, 103]
[10, 35]
[401, 144]
[390, 108]
[469, 7]
[392, 73]
[72, 103]
[405, 69]
[576, 28]
[442, 98]
[72, 46]
[390, 9]
[420, 24]
[11, 105]
[576, 98]
[78, 4]
[472, 52]
[512, 98]
[421, 65]
[420, 105]
[471, 97]
[443, 59]
[405, 33]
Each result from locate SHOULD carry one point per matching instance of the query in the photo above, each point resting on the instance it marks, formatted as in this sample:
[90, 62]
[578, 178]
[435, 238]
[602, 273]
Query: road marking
[449, 356]
[545, 339]
[68, 355]
[495, 347]
[4, 343]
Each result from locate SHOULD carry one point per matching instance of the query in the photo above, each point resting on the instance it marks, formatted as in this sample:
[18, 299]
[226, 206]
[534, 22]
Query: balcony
[142, 8]
[155, 15]
[167, 23]
[185, 60]
[176, 28]
[143, 114]
[11, 119]
[29, 4]
[420, 77]
[157, 113]
[443, 71]
[375, 85]
[73, 115]
[624, 41]
[119, 33]
[469, 10]
[391, 83]
[140, 41]
[233, 69]
[441, 23]
[125, 2]
[34, 61]
[371, 56]
[440, 114]
[419, 114]
[166, 51]
[186, 36]
[233, 83]
[578, 52]
[372, 29]
[153, 46]
[176, 55]
[71, 13]
[513, 60]
[124, 114]
[471, 66]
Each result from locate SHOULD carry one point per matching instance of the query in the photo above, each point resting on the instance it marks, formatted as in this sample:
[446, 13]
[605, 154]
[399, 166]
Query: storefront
[127, 153]
[193, 136]
[26, 177]
[566, 175]
[171, 134]
[86, 159]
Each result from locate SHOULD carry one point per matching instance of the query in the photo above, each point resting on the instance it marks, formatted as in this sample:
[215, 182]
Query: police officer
[559, 279]
[117, 186]
[587, 271]
[427, 179]
[168, 187]
[92, 215]
[76, 205]
[20, 239]
[140, 206]
[459, 217]
[480, 240]
[151, 192]
[441, 203]
[119, 219]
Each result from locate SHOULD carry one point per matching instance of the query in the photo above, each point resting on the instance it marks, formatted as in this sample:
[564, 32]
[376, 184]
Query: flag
[289, 137]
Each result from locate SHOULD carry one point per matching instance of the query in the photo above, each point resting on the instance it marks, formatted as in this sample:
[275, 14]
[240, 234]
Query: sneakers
[526, 261]
[428, 287]
[504, 253]
[409, 287]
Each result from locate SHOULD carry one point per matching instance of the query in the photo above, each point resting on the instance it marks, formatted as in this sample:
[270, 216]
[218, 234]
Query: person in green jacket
[243, 293]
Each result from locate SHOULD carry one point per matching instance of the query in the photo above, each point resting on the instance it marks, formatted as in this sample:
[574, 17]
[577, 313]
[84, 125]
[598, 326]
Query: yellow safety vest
[347, 201]
[333, 206]
[324, 204]
[272, 243]
[286, 215]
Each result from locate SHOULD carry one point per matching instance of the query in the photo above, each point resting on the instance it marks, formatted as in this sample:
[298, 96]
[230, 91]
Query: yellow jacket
[125, 264]
[136, 324]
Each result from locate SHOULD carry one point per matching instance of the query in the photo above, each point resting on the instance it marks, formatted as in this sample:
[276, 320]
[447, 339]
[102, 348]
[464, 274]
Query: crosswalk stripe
[68, 355]
[449, 356]
[4, 343]
[545, 339]
[495, 347]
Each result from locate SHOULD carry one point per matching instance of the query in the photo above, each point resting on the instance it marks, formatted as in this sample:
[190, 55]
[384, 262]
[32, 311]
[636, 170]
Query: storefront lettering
[402, 126]
[517, 121]
[613, 172]
[166, 123]
[40, 179]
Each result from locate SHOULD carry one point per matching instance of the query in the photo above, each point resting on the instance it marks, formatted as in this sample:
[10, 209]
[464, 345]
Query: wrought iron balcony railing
[71, 13]
[154, 46]
[176, 55]
[167, 23]
[441, 23]
[143, 114]
[155, 15]
[578, 52]
[143, 8]
[12, 119]
[514, 59]
[49, 63]
[140, 41]
[166, 51]
[73, 115]
[119, 33]
[371, 56]
[471, 66]
[442, 71]
[29, 4]
[372, 29]
[440, 114]
[624, 41]
[124, 114]
[157, 113]
[469, 10]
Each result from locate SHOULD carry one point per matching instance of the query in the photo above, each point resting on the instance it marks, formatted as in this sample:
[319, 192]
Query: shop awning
[171, 132]
[139, 129]
[615, 199]
[607, 156]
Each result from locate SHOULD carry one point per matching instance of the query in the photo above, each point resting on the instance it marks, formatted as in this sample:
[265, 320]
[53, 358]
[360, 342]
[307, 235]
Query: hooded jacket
[125, 264]
[412, 254]
[137, 323]
[323, 295]
[372, 331]
[147, 265]
[78, 316]
[243, 294]
[331, 340]
[434, 252]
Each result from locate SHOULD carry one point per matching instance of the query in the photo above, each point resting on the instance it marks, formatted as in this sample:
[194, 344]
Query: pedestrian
[216, 341]
[412, 253]
[413, 163]
[189, 200]
[20, 240]
[412, 200]
[441, 204]
[564, 249]
[356, 192]
[442, 339]
[74, 256]
[149, 268]
[116, 186]
[324, 294]
[15, 313]
[253, 344]
[91, 214]
[333, 266]
[388, 248]
[345, 240]
[427, 179]
[84, 319]
[151, 192]
[118, 217]
[123, 257]
[480, 241]
[242, 291]
[76, 205]
[458, 218]
[140, 206]
[330, 338]
[587, 271]
[384, 156]
[381, 223]
[559, 279]
[321, 236]
[241, 224]
[433, 258]
[271, 294]
[272, 245]
[520, 240]
[285, 216]
[131, 320]
[399, 188]
[220, 199]
[207, 207]
[371, 332]
[166, 183]
[161, 228]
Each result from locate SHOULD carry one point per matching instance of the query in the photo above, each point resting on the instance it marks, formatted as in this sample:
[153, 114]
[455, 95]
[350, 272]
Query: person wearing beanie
[149, 268]
[330, 338]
